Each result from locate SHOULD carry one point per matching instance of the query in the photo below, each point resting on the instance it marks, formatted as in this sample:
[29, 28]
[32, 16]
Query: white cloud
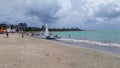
[70, 13]
[94, 12]
[37, 9]
[65, 6]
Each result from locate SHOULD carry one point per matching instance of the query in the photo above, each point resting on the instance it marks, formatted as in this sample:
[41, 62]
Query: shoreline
[30, 52]
[102, 48]
[108, 49]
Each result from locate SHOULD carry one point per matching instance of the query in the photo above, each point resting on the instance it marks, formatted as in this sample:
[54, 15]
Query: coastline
[30, 52]
[108, 49]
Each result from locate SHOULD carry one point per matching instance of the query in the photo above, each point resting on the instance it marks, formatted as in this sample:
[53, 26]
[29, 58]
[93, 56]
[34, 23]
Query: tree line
[52, 29]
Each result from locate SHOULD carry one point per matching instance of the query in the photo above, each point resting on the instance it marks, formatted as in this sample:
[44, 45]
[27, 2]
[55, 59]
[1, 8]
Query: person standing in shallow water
[69, 35]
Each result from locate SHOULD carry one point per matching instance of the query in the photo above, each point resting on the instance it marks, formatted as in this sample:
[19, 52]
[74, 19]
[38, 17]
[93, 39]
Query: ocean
[103, 38]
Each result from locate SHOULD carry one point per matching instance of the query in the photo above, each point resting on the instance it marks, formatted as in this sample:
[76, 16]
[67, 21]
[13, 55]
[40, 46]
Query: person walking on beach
[22, 34]
[7, 34]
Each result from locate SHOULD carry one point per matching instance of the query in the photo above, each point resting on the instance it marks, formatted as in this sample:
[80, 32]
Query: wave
[91, 42]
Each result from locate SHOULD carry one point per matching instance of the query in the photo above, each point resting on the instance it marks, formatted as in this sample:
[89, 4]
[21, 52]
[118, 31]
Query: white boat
[46, 31]
[45, 34]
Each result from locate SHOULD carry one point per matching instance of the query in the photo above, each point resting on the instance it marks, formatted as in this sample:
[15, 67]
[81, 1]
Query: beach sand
[29, 52]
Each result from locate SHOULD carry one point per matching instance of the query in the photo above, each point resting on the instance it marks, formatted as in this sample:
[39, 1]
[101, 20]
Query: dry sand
[28, 52]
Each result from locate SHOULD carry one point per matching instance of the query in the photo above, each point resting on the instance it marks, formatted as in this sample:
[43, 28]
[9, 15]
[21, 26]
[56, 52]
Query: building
[22, 26]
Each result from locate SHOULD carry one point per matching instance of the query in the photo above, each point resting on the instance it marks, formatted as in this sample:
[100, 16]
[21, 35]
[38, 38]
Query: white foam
[91, 42]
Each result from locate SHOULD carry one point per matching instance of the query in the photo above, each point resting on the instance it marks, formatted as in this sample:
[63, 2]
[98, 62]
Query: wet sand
[108, 49]
[29, 52]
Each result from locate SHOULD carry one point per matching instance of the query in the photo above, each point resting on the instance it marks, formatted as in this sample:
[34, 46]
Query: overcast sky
[85, 14]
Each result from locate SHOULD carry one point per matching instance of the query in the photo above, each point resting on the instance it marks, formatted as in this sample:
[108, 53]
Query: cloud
[103, 8]
[62, 13]
[111, 10]
[43, 11]
[94, 13]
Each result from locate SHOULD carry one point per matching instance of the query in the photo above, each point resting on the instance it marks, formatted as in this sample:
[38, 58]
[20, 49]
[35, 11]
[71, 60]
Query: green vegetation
[51, 29]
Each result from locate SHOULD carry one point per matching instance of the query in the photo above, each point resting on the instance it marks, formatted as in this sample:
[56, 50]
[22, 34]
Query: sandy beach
[29, 52]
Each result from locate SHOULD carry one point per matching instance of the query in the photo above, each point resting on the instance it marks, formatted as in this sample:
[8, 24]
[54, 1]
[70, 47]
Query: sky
[84, 14]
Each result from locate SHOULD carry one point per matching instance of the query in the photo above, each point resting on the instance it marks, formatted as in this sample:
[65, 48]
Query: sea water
[103, 38]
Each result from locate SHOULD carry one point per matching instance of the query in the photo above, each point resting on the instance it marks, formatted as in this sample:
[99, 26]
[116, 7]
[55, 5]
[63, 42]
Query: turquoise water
[99, 36]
